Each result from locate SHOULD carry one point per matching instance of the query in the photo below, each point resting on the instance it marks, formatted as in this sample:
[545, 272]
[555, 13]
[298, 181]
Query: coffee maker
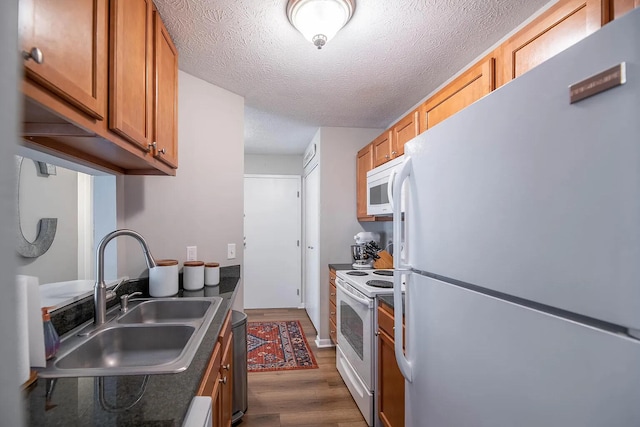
[361, 259]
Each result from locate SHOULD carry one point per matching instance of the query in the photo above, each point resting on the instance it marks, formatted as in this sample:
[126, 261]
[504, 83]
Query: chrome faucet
[100, 294]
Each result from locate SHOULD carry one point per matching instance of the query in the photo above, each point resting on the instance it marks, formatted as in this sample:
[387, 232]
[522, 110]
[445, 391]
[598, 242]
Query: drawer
[385, 321]
[332, 311]
[225, 332]
[333, 330]
[332, 293]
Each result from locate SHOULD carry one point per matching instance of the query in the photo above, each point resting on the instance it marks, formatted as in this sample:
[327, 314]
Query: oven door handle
[365, 301]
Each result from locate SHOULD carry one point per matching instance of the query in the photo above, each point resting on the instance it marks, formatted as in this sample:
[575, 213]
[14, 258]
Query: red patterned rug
[275, 346]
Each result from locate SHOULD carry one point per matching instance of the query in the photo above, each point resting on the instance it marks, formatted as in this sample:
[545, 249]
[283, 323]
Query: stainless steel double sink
[155, 336]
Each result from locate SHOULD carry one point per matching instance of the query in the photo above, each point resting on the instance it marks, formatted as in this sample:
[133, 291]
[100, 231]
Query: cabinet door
[382, 148]
[563, 25]
[390, 384]
[475, 83]
[364, 163]
[165, 106]
[72, 36]
[130, 92]
[226, 392]
[211, 384]
[620, 7]
[403, 131]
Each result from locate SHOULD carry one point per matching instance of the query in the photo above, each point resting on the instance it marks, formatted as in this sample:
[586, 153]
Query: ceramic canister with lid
[163, 278]
[193, 275]
[211, 273]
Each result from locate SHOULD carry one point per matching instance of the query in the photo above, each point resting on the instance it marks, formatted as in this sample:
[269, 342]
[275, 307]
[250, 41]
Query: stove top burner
[357, 273]
[380, 283]
[383, 272]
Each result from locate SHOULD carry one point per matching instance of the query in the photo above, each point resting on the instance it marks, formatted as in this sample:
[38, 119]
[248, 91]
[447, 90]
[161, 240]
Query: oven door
[355, 329]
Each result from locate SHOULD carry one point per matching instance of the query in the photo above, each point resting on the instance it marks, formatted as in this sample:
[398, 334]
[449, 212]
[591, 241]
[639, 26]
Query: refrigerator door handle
[401, 269]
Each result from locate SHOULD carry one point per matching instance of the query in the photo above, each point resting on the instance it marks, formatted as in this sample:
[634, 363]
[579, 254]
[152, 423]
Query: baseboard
[301, 306]
[323, 343]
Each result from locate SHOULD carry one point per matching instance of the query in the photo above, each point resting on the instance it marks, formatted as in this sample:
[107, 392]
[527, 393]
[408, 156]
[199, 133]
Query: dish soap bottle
[51, 338]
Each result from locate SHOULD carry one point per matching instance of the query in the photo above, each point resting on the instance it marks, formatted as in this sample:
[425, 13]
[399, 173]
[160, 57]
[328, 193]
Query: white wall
[54, 196]
[203, 205]
[338, 218]
[11, 403]
[271, 164]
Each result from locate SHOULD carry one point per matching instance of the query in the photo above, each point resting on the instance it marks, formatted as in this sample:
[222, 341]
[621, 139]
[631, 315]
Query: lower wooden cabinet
[620, 7]
[217, 381]
[333, 330]
[390, 391]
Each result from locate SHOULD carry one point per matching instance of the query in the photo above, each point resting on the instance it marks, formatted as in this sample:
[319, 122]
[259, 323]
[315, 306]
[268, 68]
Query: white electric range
[356, 317]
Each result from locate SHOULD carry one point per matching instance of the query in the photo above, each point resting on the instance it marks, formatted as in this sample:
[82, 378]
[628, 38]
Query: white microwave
[379, 186]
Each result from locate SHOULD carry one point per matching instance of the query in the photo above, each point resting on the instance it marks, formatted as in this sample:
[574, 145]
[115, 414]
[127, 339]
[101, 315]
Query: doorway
[272, 253]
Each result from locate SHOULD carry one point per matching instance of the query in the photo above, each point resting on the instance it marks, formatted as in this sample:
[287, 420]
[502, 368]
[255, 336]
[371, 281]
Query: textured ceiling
[386, 59]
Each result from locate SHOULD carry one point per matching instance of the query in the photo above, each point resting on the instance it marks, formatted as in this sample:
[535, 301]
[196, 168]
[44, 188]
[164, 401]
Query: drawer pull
[226, 367]
[223, 380]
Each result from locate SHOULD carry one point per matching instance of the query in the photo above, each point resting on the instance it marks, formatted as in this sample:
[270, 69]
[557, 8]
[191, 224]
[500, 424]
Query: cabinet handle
[386, 156]
[394, 153]
[333, 313]
[223, 380]
[333, 294]
[226, 367]
[35, 54]
[163, 151]
[152, 146]
[332, 332]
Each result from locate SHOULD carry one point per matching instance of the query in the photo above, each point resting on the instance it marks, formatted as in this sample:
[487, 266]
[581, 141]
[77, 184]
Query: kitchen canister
[193, 275]
[163, 278]
[211, 273]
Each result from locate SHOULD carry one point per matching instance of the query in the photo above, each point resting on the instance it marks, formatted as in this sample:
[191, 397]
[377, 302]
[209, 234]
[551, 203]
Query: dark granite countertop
[109, 401]
[341, 266]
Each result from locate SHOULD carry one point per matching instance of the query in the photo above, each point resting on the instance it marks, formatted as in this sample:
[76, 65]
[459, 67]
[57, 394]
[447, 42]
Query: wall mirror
[83, 203]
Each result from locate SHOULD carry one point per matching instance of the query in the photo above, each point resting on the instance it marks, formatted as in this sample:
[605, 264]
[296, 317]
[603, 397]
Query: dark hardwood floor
[301, 398]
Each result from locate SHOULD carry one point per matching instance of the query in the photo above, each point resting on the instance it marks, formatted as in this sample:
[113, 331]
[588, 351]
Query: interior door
[312, 246]
[272, 255]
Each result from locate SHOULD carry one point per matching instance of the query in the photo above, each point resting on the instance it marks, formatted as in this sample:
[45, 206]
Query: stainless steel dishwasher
[239, 328]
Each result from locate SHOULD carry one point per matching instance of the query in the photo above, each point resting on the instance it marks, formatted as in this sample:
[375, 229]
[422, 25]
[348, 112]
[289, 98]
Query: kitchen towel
[31, 327]
[23, 329]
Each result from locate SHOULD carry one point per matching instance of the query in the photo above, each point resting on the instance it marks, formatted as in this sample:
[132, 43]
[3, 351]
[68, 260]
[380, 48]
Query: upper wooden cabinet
[564, 24]
[403, 131]
[382, 148]
[620, 7]
[107, 87]
[364, 163]
[475, 83]
[130, 88]
[71, 36]
[165, 105]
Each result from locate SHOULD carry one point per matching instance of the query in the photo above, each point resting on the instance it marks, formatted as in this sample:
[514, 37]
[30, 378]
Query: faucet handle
[124, 301]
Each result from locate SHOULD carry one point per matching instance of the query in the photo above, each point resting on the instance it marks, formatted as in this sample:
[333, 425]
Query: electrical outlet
[192, 253]
[231, 251]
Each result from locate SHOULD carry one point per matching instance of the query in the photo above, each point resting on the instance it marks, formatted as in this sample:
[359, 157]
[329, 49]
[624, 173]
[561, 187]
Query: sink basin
[167, 311]
[128, 347]
[157, 336]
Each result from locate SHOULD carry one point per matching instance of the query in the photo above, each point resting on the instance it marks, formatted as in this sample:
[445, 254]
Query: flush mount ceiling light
[319, 20]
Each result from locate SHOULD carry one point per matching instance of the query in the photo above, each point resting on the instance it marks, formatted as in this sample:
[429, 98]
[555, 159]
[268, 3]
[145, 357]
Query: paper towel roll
[35, 333]
[22, 325]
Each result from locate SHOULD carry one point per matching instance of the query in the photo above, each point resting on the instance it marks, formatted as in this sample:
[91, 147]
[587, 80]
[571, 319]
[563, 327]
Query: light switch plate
[231, 251]
[192, 253]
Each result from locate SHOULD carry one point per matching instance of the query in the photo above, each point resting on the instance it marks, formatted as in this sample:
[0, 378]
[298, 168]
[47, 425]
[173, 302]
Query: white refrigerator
[522, 250]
